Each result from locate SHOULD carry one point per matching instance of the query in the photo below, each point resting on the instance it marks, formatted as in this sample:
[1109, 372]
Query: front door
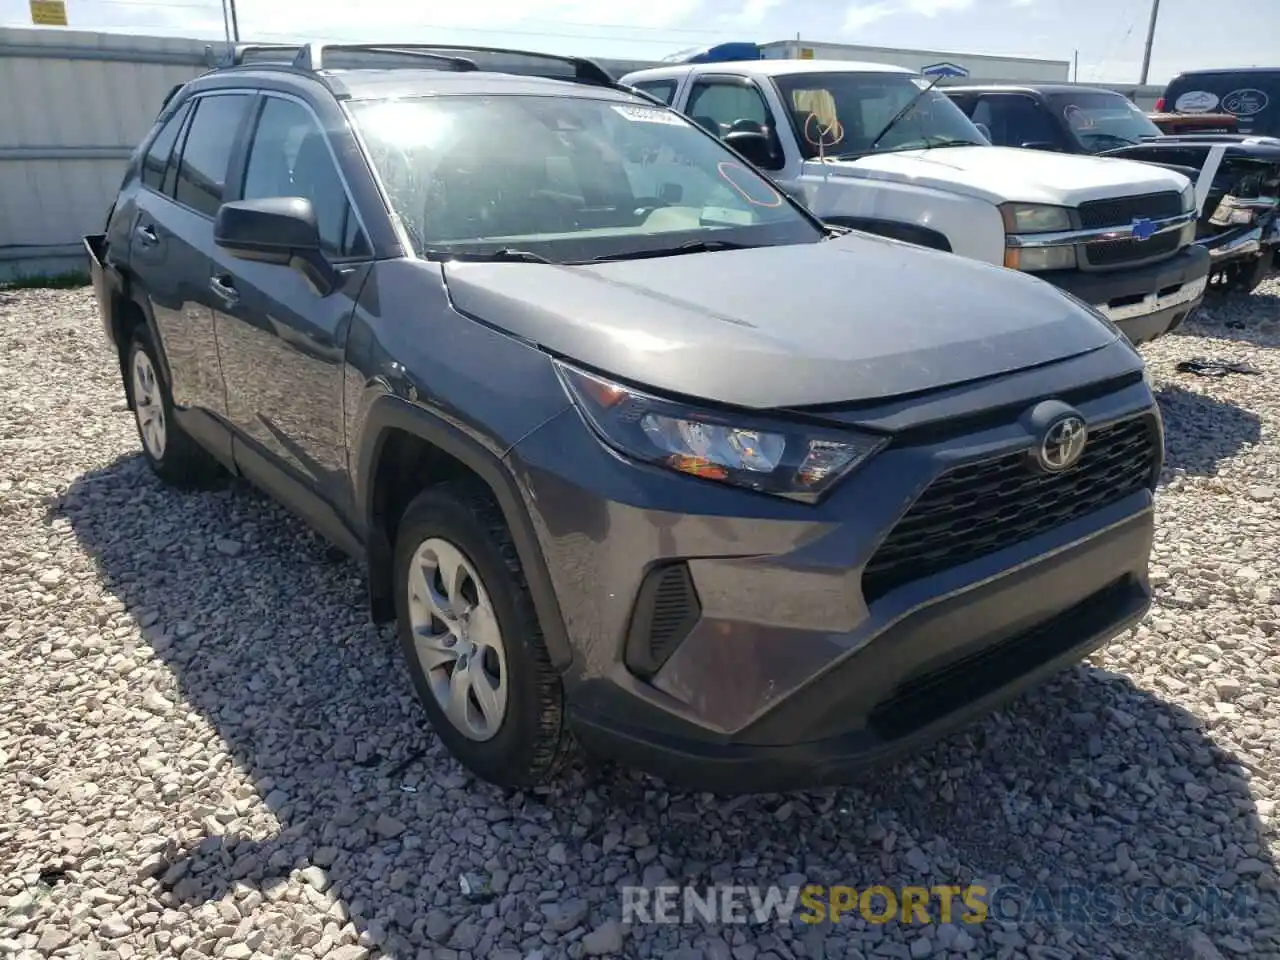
[282, 343]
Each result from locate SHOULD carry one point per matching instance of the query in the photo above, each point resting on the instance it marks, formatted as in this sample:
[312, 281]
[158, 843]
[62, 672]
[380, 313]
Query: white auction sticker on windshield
[649, 115]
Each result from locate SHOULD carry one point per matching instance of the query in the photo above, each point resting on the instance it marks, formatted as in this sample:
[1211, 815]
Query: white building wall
[980, 67]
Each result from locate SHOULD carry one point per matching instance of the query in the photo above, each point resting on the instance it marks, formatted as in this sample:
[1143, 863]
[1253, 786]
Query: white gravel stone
[200, 733]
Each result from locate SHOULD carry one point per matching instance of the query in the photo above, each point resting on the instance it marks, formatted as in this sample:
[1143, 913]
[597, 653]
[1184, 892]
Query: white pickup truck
[875, 148]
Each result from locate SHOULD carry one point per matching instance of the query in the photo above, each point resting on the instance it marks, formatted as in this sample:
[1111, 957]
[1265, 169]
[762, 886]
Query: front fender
[387, 413]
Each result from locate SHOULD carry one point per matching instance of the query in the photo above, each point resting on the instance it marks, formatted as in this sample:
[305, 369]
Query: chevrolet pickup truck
[876, 148]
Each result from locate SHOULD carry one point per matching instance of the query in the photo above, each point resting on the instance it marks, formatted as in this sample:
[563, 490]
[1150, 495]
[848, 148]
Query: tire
[525, 740]
[1240, 277]
[174, 456]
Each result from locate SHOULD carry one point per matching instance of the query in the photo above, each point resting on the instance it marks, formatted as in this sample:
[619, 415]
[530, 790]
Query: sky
[1108, 35]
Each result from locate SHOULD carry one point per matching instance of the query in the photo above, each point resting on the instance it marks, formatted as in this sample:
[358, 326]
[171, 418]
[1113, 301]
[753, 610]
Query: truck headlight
[786, 459]
[1189, 198]
[1032, 259]
[1034, 218]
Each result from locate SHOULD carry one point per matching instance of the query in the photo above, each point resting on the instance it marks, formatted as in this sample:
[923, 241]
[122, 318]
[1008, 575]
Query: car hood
[849, 319]
[999, 174]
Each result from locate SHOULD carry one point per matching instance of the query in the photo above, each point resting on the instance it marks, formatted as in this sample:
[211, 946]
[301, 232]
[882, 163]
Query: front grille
[1111, 252]
[1121, 211]
[979, 508]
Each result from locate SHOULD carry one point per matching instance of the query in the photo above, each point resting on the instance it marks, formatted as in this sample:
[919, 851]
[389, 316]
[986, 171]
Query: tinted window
[588, 178]
[157, 158]
[664, 90]
[843, 113]
[1014, 121]
[202, 177]
[290, 157]
[728, 105]
[1253, 96]
[1100, 121]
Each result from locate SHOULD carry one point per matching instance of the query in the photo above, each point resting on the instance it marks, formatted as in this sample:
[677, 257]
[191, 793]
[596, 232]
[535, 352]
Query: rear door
[172, 236]
[1252, 97]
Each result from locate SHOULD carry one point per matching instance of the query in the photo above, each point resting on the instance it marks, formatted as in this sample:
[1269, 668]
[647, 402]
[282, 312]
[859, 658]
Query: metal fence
[75, 106]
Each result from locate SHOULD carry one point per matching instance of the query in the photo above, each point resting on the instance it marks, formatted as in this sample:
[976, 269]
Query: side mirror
[1040, 145]
[277, 230]
[984, 130]
[755, 146]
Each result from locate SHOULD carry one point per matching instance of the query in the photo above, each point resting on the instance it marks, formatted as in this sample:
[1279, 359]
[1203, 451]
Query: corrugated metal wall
[73, 105]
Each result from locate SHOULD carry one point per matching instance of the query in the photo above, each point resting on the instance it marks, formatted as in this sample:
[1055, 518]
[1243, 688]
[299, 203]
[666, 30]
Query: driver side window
[724, 107]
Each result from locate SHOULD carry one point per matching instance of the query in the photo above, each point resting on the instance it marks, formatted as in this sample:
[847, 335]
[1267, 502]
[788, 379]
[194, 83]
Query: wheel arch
[404, 448]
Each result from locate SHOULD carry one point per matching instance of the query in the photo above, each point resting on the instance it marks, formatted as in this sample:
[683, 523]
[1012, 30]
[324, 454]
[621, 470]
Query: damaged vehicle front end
[1237, 182]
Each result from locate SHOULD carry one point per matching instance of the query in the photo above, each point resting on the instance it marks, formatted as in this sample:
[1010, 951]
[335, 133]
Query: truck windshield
[1101, 121]
[839, 114]
[566, 179]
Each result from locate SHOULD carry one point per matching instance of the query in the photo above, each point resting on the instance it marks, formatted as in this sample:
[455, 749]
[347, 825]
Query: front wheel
[472, 641]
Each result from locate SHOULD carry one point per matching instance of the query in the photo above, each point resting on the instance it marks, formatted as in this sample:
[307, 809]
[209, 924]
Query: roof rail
[245, 52]
[311, 56]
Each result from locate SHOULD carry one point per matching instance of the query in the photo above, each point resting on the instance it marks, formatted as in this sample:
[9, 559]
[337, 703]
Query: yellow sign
[806, 53]
[49, 13]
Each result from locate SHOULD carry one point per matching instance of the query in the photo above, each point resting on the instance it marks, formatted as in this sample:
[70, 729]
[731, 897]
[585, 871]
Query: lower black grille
[979, 508]
[667, 608]
[1121, 211]
[1112, 252]
[931, 697]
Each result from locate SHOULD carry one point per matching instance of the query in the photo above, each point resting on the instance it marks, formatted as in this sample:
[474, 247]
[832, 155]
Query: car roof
[1064, 88]
[380, 83]
[765, 68]
[1224, 71]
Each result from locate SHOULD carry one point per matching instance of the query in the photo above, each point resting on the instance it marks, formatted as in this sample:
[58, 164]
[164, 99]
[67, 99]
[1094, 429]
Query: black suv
[636, 451]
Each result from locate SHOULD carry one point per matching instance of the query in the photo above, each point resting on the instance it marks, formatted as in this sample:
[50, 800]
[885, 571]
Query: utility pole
[1075, 67]
[1146, 53]
[235, 23]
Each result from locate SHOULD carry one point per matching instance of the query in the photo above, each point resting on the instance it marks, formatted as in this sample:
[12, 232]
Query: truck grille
[1111, 252]
[1120, 212]
[979, 508]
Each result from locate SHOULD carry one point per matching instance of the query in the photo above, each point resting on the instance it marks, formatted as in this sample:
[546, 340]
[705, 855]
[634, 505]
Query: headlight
[784, 459]
[1189, 198]
[1040, 258]
[1034, 218]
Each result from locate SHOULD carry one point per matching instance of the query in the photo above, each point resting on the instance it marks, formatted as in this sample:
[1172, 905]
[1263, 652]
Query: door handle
[146, 235]
[222, 288]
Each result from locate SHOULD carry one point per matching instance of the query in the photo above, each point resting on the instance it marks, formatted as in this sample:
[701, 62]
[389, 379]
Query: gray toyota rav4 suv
[639, 454]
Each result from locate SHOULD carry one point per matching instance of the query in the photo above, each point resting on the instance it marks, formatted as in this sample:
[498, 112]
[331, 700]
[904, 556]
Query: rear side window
[202, 175]
[1253, 97]
[157, 158]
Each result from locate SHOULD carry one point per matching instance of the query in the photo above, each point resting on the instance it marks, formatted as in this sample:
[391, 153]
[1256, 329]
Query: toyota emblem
[1062, 444]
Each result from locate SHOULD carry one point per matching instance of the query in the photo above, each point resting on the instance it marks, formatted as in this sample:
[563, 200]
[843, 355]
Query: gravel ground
[205, 751]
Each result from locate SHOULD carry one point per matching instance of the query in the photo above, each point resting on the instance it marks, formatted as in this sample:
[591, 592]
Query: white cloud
[931, 8]
[864, 14]
[753, 12]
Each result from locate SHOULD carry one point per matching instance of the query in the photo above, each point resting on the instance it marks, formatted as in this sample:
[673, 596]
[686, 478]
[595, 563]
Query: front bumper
[788, 667]
[1144, 303]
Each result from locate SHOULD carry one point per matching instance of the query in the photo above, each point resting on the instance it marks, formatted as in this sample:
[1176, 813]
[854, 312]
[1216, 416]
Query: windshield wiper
[875, 142]
[510, 254]
[691, 246]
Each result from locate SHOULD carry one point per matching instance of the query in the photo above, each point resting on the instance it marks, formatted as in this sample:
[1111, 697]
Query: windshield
[1101, 121]
[566, 178]
[840, 114]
